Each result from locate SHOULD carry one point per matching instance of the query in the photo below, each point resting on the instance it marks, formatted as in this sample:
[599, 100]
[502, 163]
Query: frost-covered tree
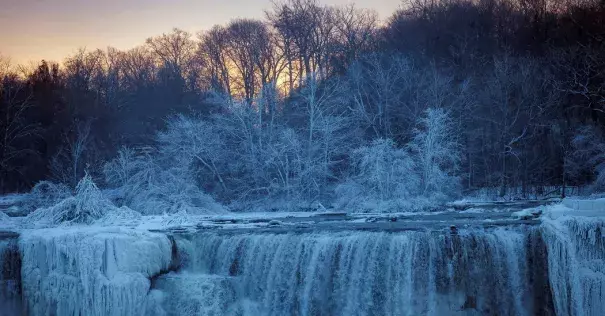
[436, 150]
[190, 141]
[384, 178]
[327, 132]
[385, 170]
[155, 185]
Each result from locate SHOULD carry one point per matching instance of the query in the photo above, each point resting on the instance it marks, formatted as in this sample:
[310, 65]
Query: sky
[31, 30]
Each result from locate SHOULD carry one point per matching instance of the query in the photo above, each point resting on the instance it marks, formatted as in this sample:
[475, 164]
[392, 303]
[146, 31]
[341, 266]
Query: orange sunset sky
[31, 30]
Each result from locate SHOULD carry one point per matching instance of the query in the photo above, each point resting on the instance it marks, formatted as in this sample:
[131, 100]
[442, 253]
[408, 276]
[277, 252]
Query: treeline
[316, 102]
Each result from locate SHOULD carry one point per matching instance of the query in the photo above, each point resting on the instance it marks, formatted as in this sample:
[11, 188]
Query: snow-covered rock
[90, 270]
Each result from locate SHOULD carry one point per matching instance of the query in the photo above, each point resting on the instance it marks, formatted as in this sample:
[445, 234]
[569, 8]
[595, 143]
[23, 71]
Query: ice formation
[90, 271]
[576, 264]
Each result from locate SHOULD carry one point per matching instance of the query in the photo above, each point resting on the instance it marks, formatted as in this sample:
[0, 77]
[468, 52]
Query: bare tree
[16, 128]
[71, 162]
[174, 50]
[212, 50]
[355, 33]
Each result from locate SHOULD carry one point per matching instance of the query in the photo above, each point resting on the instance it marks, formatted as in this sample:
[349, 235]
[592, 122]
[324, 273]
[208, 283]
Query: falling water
[10, 277]
[471, 272]
[555, 268]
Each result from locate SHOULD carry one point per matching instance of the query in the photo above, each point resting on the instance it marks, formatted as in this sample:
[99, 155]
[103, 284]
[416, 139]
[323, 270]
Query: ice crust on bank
[90, 270]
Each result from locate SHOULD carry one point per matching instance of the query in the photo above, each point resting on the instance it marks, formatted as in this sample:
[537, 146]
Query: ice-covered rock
[90, 270]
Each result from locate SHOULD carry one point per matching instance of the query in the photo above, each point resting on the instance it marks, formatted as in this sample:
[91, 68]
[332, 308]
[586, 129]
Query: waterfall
[555, 268]
[576, 261]
[10, 276]
[470, 272]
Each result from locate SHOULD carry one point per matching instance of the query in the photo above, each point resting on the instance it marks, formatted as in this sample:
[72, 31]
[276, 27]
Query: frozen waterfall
[90, 271]
[576, 261]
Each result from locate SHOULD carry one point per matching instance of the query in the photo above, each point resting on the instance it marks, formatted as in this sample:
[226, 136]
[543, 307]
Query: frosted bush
[45, 194]
[87, 205]
[120, 169]
[153, 186]
[385, 171]
[120, 216]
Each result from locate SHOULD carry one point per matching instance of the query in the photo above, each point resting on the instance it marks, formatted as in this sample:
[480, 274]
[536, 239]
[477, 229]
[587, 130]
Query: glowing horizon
[54, 30]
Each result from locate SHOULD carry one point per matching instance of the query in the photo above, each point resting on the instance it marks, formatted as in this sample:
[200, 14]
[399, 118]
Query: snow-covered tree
[384, 179]
[327, 133]
[155, 185]
[190, 141]
[436, 151]
[385, 170]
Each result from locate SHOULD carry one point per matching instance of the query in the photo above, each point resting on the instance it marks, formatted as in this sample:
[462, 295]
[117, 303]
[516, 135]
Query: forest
[321, 106]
